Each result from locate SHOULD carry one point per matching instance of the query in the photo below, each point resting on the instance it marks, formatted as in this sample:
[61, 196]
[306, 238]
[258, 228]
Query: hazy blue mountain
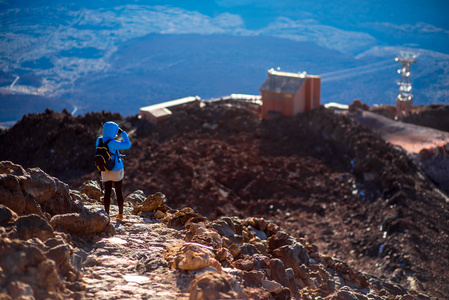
[120, 55]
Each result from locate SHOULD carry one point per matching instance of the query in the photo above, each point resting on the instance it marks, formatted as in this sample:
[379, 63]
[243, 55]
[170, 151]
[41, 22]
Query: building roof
[169, 104]
[160, 112]
[284, 82]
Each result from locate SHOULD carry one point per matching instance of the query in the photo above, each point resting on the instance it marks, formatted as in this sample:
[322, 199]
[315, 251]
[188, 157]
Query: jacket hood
[110, 130]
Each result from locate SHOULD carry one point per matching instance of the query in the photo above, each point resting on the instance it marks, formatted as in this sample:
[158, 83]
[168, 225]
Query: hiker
[110, 131]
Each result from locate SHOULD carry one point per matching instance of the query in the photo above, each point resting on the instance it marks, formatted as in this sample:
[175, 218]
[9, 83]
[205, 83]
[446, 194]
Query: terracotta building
[286, 94]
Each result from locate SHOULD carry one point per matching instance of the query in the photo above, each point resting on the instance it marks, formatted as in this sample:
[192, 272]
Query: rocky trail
[131, 264]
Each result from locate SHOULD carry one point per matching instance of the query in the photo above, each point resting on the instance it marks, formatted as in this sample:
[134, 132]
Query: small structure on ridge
[287, 94]
[158, 112]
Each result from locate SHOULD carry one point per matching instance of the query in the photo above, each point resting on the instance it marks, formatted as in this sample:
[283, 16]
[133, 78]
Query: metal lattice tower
[404, 101]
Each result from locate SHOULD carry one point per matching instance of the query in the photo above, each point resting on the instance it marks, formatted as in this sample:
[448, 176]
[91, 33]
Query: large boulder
[192, 256]
[34, 262]
[61, 255]
[92, 189]
[151, 203]
[20, 259]
[42, 197]
[200, 233]
[95, 190]
[12, 196]
[33, 226]
[7, 216]
[136, 197]
[24, 227]
[211, 286]
[51, 194]
[34, 192]
[7, 167]
[81, 224]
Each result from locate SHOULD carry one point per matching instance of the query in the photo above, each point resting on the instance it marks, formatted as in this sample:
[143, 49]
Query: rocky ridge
[159, 253]
[319, 176]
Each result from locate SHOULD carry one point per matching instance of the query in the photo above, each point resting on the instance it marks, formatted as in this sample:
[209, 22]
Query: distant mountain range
[119, 56]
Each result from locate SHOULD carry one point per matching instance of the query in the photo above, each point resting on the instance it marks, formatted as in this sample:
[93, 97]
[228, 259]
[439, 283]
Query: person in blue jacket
[110, 131]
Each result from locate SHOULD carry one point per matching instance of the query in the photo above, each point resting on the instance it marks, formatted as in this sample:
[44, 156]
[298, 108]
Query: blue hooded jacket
[110, 130]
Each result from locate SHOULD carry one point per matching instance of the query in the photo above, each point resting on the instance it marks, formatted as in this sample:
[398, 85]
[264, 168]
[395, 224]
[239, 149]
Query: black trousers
[118, 192]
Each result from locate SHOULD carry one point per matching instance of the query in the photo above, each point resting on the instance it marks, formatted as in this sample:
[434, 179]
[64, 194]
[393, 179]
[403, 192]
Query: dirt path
[131, 264]
[412, 138]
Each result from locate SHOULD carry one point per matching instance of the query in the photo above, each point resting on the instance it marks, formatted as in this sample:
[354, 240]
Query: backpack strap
[116, 151]
[117, 156]
[105, 143]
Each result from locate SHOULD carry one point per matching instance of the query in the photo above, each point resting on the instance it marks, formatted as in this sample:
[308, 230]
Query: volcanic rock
[211, 286]
[278, 267]
[33, 262]
[82, 223]
[34, 191]
[33, 226]
[150, 204]
[92, 189]
[195, 257]
[335, 187]
[136, 197]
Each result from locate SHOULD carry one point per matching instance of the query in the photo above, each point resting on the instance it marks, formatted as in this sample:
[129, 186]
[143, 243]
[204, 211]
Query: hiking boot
[119, 217]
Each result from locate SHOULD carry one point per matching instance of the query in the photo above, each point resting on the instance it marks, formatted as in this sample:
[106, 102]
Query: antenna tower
[404, 101]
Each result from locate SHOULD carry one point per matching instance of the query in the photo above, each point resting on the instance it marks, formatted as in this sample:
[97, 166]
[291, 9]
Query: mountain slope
[318, 175]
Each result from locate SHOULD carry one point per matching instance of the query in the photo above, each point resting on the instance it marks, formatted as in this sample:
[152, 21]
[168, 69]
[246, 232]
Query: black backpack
[104, 161]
